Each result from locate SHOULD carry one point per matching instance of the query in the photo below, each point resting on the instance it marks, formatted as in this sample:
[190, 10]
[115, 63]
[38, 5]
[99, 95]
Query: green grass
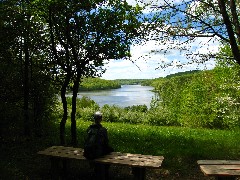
[171, 141]
[181, 147]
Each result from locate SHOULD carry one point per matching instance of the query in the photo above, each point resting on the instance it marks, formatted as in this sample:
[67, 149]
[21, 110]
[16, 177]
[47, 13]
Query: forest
[49, 49]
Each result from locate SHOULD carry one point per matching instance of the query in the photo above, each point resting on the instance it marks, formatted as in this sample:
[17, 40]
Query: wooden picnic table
[138, 162]
[220, 169]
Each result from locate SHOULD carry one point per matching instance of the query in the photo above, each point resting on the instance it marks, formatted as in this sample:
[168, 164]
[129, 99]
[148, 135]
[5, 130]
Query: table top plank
[135, 160]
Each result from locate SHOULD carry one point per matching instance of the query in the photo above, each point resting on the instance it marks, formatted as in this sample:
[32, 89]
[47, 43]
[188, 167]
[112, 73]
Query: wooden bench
[138, 162]
[221, 169]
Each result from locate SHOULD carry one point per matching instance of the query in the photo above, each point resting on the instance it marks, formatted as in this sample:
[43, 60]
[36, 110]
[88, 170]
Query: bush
[161, 117]
[112, 113]
[85, 114]
[86, 108]
[138, 108]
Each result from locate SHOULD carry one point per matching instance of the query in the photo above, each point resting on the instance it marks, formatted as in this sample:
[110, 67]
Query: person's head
[97, 117]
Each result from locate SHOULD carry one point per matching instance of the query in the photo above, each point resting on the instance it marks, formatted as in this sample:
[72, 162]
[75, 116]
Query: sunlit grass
[170, 141]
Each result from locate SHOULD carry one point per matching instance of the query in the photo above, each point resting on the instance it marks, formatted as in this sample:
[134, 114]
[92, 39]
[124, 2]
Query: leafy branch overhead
[184, 22]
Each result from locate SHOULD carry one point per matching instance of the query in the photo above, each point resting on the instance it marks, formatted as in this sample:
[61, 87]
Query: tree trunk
[228, 24]
[65, 111]
[74, 107]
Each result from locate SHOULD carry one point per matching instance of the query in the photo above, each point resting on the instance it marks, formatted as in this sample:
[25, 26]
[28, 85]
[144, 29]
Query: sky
[146, 64]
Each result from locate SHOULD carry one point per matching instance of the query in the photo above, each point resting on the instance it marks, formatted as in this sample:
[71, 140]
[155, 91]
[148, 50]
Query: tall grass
[170, 141]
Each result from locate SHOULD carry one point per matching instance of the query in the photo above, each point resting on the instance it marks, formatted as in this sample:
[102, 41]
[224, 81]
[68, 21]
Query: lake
[127, 95]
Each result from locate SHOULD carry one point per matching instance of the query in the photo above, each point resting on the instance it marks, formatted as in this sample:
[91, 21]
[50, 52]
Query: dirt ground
[85, 172]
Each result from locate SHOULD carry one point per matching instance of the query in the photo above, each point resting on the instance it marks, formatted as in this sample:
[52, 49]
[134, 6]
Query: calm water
[127, 95]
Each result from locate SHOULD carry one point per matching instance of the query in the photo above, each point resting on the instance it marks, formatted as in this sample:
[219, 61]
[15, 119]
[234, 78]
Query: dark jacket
[105, 142]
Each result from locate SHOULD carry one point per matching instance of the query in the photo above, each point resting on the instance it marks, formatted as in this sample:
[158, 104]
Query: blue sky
[146, 64]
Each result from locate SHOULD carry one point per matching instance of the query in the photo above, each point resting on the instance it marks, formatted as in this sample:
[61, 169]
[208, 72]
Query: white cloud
[206, 44]
[146, 64]
[148, 56]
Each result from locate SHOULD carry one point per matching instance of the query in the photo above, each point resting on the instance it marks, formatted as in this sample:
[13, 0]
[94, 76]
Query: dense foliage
[206, 99]
[27, 92]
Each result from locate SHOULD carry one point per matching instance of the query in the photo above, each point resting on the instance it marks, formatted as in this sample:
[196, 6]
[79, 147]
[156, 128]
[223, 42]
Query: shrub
[138, 108]
[111, 113]
[161, 117]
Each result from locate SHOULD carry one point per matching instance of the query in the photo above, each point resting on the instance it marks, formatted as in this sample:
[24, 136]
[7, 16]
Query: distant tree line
[90, 84]
[182, 73]
[132, 81]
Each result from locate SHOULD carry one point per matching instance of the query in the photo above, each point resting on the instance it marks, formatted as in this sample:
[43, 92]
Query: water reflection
[127, 95]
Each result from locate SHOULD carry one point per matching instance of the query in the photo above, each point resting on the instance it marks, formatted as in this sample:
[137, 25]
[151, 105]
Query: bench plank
[135, 160]
[216, 162]
[138, 162]
[221, 170]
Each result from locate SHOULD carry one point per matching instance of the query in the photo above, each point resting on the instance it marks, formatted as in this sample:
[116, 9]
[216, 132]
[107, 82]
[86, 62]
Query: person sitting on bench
[97, 143]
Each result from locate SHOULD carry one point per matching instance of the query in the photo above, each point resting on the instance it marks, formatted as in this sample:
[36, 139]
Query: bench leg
[55, 168]
[101, 171]
[139, 173]
[58, 168]
[65, 165]
[225, 178]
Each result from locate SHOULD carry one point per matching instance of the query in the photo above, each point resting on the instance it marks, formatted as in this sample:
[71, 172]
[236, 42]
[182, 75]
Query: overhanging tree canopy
[83, 36]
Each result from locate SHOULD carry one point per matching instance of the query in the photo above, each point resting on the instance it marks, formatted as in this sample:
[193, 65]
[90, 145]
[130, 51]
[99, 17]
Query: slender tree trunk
[235, 18]
[27, 131]
[65, 111]
[74, 107]
[26, 90]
